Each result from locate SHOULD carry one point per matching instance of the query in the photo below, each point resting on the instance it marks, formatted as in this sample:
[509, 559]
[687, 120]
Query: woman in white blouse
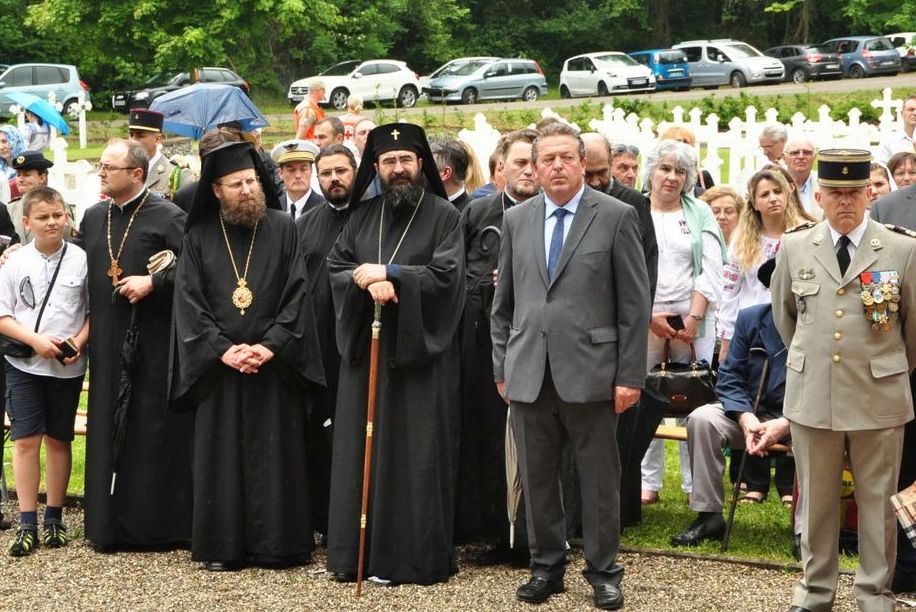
[690, 255]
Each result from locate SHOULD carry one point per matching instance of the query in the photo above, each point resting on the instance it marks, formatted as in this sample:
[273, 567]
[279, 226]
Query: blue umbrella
[40, 108]
[191, 111]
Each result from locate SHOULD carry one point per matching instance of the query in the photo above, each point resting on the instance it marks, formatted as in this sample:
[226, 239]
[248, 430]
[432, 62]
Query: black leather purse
[682, 386]
[14, 348]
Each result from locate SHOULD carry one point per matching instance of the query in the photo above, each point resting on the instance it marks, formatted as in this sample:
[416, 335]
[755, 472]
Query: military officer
[842, 295]
[163, 177]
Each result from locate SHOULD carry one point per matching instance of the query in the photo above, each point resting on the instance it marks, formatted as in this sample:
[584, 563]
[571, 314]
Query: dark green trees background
[118, 43]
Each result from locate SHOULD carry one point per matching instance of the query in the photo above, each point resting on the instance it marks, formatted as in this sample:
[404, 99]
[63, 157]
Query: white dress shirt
[855, 237]
[299, 204]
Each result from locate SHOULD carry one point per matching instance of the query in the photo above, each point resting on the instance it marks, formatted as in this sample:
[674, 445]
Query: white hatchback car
[604, 73]
[373, 80]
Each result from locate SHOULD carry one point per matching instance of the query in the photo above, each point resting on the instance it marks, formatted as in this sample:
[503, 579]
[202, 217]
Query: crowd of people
[238, 325]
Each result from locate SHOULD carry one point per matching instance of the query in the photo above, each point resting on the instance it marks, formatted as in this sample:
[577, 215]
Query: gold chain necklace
[381, 223]
[241, 295]
[114, 270]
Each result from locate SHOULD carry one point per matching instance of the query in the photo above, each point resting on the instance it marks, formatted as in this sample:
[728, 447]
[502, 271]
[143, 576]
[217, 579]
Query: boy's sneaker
[25, 542]
[55, 534]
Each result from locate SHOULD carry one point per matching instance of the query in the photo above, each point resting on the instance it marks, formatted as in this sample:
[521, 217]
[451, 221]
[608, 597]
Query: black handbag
[14, 348]
[682, 386]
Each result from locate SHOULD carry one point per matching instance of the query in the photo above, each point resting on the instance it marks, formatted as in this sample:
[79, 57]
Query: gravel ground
[76, 577]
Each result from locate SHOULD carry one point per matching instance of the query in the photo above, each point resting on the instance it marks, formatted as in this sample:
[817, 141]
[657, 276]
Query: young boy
[43, 390]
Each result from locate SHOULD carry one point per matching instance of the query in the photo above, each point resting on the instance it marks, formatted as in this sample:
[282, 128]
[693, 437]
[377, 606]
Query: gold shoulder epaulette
[900, 230]
[801, 226]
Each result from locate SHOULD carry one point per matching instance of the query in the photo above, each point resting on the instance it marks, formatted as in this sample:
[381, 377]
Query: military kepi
[843, 167]
[144, 119]
[31, 160]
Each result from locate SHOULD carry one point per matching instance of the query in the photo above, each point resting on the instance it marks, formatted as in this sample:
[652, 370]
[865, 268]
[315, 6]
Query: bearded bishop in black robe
[246, 357]
[416, 427]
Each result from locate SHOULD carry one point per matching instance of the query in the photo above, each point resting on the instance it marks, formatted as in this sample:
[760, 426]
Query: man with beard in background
[400, 252]
[246, 355]
[481, 511]
[318, 230]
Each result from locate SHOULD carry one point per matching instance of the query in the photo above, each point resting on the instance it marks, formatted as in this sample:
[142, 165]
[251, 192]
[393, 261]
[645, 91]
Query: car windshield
[163, 79]
[463, 69]
[613, 59]
[740, 50]
[671, 57]
[341, 69]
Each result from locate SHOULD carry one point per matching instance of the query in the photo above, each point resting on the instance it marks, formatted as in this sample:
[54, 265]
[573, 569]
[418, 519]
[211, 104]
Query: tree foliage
[118, 43]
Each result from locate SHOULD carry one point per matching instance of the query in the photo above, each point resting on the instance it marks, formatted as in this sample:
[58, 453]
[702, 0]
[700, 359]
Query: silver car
[504, 79]
[40, 80]
[729, 62]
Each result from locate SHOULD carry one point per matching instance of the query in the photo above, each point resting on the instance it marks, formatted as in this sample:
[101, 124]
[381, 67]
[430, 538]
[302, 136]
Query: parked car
[160, 84]
[669, 66]
[729, 62]
[805, 62]
[862, 56]
[373, 80]
[503, 79]
[604, 73]
[441, 70]
[906, 48]
[40, 80]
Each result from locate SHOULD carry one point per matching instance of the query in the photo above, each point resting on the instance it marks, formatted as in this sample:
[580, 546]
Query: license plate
[119, 102]
[887, 63]
[833, 66]
[638, 82]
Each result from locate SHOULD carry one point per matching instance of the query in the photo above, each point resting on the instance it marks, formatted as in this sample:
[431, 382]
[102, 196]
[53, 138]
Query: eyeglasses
[237, 185]
[26, 293]
[801, 153]
[106, 168]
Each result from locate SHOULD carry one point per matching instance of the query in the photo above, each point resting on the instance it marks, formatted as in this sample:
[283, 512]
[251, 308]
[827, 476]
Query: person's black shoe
[798, 609]
[608, 597]
[539, 589]
[904, 582]
[500, 554]
[708, 528]
[26, 541]
[222, 566]
[5, 523]
[343, 577]
[796, 547]
[55, 534]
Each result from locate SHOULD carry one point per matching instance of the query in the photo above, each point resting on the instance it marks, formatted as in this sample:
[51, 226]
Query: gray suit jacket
[897, 208]
[591, 321]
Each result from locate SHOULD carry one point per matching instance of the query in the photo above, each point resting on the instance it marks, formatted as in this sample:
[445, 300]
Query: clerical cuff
[393, 272]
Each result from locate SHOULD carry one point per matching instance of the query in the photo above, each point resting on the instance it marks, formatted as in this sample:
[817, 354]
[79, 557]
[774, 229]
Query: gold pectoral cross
[115, 272]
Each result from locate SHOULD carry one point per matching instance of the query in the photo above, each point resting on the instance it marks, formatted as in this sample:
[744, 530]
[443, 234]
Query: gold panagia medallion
[242, 296]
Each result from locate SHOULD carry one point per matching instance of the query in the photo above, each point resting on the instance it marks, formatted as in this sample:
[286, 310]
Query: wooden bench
[678, 433]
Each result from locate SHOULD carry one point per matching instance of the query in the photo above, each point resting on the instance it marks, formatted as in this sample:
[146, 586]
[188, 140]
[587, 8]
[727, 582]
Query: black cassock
[318, 230]
[416, 432]
[482, 473]
[151, 505]
[251, 499]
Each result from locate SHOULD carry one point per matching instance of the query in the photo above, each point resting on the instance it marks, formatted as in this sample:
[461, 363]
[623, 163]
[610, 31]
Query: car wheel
[564, 92]
[856, 72]
[469, 96]
[602, 89]
[737, 80]
[530, 94]
[799, 76]
[339, 98]
[407, 97]
[70, 108]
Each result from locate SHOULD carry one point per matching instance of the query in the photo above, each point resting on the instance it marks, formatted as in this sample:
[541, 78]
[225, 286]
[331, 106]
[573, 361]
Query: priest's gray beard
[246, 212]
[403, 196]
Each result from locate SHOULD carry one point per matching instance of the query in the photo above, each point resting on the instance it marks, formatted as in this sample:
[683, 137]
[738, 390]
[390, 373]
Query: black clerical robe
[318, 230]
[481, 510]
[151, 505]
[251, 500]
[416, 431]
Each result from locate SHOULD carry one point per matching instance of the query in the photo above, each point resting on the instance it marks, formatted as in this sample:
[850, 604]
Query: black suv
[166, 82]
[805, 62]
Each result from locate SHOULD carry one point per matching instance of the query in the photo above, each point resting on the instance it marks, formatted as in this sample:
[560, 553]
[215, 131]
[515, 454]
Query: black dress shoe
[904, 582]
[539, 589]
[798, 609]
[708, 528]
[5, 523]
[608, 597]
[343, 577]
[222, 566]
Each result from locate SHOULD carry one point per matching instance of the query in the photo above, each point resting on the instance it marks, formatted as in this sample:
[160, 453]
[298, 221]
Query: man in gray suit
[844, 294]
[569, 327]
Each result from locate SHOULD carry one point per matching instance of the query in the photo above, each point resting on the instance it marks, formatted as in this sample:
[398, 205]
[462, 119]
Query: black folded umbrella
[130, 357]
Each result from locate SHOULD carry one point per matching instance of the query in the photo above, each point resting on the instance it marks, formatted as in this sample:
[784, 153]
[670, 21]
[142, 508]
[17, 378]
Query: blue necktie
[556, 242]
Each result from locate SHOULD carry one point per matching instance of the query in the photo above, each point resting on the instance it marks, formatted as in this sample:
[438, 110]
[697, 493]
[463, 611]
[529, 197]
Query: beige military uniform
[159, 175]
[851, 345]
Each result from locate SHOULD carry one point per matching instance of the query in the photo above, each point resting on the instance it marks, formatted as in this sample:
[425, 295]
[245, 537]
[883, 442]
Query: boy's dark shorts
[41, 404]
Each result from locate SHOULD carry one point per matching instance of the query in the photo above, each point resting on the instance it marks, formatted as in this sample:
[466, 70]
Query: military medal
[805, 274]
[114, 270]
[881, 298]
[242, 297]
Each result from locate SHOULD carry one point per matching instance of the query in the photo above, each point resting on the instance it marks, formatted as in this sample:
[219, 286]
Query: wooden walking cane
[731, 511]
[367, 459]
